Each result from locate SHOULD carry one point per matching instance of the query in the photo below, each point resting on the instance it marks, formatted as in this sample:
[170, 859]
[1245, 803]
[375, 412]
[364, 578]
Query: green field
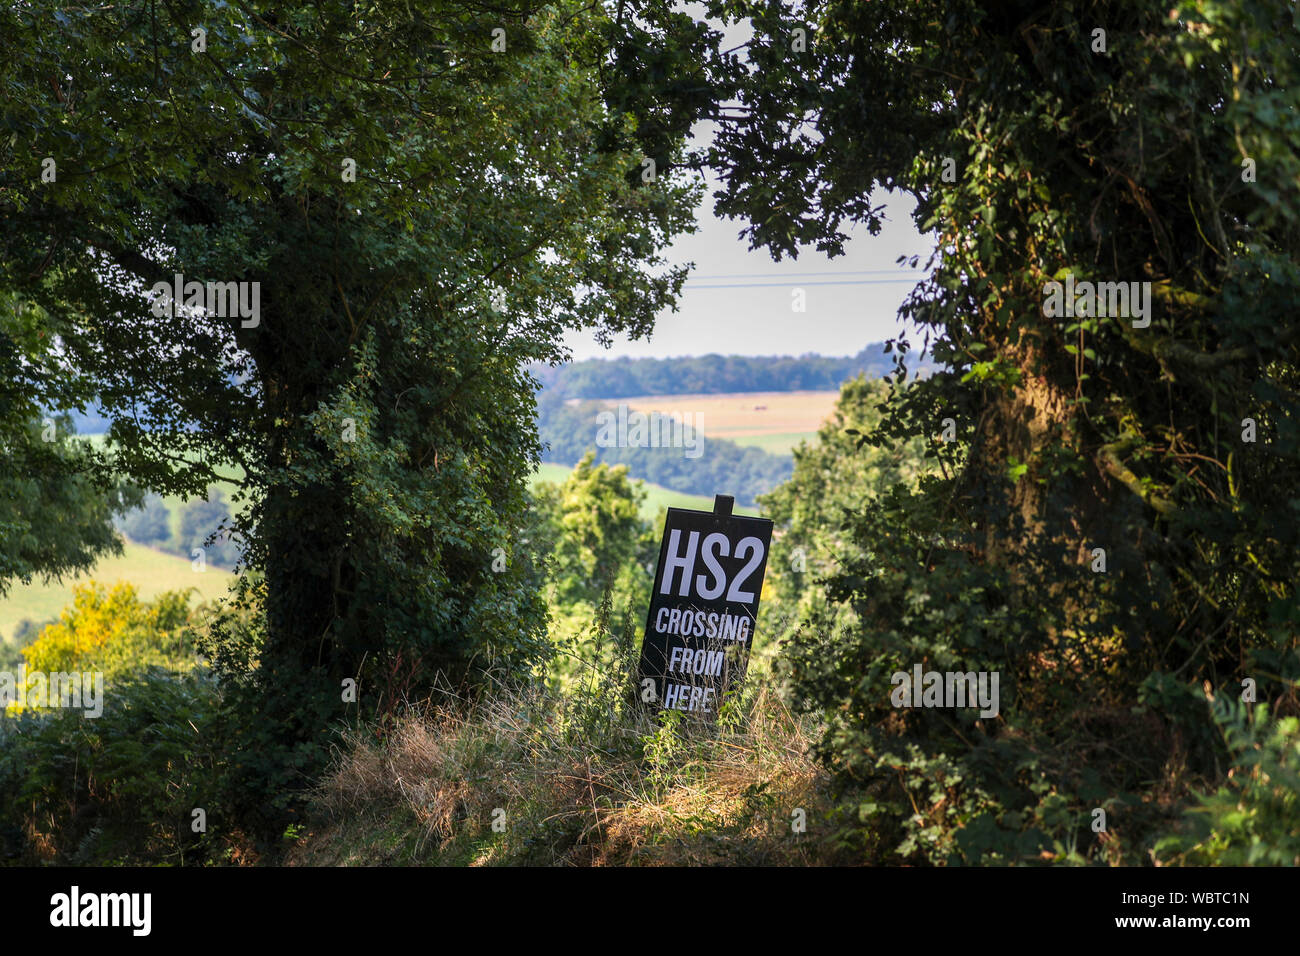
[779, 444]
[152, 572]
[656, 495]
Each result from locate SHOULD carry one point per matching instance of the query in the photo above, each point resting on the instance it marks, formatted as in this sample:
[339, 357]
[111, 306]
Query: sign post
[700, 625]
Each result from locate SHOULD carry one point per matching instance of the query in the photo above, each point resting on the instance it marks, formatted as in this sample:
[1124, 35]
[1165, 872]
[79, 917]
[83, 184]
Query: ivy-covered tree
[414, 200]
[1114, 522]
[425, 197]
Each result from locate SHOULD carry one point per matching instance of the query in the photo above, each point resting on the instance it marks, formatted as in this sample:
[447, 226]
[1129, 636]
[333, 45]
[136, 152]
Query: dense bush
[120, 788]
[1254, 817]
[833, 475]
[112, 630]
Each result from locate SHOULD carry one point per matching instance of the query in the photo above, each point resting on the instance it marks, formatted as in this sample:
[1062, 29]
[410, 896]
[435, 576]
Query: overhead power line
[837, 273]
[787, 285]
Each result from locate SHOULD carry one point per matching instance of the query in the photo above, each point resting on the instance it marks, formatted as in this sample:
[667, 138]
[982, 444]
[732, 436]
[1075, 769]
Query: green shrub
[117, 789]
[1254, 818]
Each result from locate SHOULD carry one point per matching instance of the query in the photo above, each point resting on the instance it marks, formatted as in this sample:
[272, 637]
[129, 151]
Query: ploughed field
[773, 421]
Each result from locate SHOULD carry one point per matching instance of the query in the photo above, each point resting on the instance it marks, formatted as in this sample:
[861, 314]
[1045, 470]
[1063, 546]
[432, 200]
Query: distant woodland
[710, 374]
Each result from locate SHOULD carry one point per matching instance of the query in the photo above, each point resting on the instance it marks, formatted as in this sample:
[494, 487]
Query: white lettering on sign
[686, 562]
[710, 587]
[755, 547]
[686, 697]
[711, 544]
[688, 623]
[685, 660]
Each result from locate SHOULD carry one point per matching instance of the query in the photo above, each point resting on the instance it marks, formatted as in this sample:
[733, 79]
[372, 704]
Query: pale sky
[738, 302]
[723, 310]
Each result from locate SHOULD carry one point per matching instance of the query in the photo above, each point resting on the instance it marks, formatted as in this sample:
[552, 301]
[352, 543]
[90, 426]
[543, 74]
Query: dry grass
[568, 784]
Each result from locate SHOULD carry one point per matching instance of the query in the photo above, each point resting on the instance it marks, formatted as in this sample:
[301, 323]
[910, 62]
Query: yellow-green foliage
[595, 518]
[113, 631]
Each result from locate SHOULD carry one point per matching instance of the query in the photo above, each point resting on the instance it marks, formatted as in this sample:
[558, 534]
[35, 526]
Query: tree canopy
[424, 203]
[1113, 521]
[412, 202]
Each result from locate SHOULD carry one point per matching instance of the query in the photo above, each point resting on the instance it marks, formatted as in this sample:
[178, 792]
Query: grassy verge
[530, 778]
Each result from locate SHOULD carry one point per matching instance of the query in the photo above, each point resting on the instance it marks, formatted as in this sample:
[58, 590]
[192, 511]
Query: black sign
[703, 607]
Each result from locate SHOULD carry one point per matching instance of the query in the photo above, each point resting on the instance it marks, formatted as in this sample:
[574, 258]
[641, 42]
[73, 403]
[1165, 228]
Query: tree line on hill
[713, 374]
[568, 431]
